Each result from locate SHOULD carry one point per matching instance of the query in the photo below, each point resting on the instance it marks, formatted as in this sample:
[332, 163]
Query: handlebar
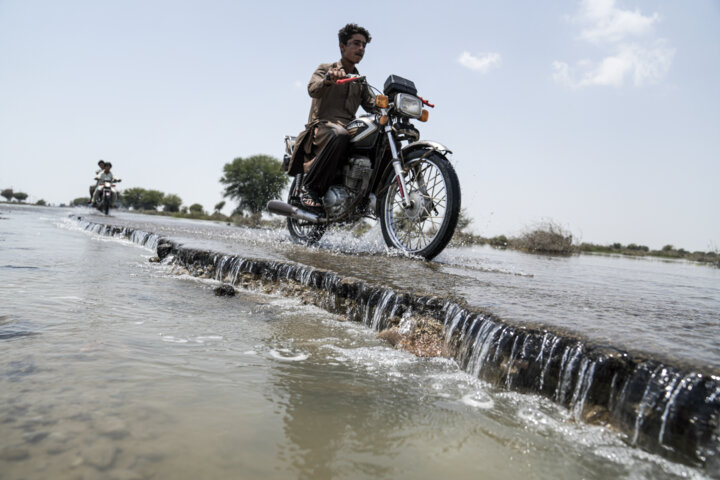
[361, 78]
[425, 102]
[350, 79]
[347, 79]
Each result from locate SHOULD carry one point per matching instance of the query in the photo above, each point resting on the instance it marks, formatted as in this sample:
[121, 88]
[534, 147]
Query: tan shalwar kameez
[322, 146]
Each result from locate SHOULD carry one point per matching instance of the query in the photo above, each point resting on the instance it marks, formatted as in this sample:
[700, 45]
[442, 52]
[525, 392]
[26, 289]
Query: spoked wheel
[426, 227]
[305, 233]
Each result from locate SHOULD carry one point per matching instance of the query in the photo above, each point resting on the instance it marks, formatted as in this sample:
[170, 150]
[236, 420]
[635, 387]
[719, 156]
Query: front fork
[397, 166]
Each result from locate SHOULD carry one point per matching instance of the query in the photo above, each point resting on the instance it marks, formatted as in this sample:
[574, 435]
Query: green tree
[20, 196]
[196, 208]
[131, 197]
[171, 203]
[219, 206]
[150, 199]
[41, 202]
[7, 193]
[253, 181]
[80, 201]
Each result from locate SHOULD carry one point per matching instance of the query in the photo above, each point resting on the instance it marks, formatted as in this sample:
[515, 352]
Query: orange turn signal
[424, 115]
[381, 101]
[384, 120]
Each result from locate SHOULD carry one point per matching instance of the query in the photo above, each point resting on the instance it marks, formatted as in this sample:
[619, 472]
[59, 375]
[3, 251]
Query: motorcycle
[390, 174]
[107, 195]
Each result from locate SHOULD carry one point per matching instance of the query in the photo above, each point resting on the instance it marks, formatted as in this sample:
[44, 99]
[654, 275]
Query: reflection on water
[114, 367]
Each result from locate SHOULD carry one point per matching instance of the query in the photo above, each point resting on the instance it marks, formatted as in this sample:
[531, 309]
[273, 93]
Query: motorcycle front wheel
[428, 224]
[105, 207]
[302, 232]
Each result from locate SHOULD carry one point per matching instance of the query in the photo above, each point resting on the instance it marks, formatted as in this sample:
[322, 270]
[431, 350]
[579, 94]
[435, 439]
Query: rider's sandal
[311, 200]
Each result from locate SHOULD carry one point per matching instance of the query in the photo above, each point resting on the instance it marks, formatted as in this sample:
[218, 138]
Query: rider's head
[101, 164]
[353, 39]
[107, 166]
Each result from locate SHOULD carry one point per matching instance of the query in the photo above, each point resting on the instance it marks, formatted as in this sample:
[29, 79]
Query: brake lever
[425, 102]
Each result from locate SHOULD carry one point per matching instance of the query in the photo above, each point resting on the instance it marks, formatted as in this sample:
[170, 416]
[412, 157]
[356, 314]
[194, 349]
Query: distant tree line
[9, 194]
[145, 199]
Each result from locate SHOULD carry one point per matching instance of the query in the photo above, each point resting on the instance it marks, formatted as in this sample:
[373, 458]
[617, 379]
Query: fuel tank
[363, 131]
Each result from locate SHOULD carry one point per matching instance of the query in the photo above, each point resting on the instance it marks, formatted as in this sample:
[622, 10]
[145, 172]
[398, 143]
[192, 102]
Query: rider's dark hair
[108, 164]
[101, 161]
[351, 29]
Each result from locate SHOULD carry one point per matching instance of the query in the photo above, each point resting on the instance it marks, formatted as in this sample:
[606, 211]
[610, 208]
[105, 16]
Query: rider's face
[354, 50]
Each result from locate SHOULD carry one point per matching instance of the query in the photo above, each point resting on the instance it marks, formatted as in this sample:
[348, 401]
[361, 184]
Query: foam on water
[287, 355]
[478, 400]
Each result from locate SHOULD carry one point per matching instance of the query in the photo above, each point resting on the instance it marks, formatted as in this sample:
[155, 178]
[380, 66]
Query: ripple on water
[478, 399]
[287, 355]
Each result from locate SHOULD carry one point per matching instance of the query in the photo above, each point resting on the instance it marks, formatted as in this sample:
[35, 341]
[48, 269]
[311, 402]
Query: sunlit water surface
[115, 367]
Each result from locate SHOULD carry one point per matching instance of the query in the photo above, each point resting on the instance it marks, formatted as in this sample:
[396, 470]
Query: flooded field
[115, 367]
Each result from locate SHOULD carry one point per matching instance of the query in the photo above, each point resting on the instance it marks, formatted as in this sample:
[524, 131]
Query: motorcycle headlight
[408, 105]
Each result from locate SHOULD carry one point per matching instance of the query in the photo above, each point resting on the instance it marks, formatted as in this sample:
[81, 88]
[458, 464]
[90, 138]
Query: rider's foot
[310, 199]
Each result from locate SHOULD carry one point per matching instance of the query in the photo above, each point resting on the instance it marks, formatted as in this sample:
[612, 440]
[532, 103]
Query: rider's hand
[333, 75]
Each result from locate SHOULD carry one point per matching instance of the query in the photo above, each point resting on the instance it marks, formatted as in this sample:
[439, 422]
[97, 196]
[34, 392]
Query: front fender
[425, 145]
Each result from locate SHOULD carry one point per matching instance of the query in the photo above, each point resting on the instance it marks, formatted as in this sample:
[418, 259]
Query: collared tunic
[333, 106]
[337, 103]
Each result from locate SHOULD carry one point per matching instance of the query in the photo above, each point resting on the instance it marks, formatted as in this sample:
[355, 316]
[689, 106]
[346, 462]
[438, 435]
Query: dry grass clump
[547, 237]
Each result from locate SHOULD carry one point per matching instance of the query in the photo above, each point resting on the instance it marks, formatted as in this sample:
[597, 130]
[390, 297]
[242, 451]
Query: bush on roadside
[547, 237]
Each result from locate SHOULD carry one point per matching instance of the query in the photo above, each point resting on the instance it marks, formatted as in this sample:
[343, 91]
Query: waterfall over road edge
[670, 410]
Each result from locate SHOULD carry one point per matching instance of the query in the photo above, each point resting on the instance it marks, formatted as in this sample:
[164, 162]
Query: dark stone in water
[225, 290]
[164, 249]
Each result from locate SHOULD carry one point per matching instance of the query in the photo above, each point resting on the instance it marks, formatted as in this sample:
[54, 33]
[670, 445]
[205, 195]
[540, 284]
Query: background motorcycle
[390, 174]
[107, 195]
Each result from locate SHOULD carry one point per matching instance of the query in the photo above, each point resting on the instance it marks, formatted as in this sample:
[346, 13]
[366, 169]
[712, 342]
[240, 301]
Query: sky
[602, 116]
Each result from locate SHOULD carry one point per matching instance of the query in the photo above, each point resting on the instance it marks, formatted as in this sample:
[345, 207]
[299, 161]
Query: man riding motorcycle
[322, 146]
[105, 176]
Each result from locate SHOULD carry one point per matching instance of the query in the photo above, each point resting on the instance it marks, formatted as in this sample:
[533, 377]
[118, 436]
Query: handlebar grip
[346, 80]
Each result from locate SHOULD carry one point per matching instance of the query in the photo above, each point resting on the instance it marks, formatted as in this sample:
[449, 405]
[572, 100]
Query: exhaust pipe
[286, 210]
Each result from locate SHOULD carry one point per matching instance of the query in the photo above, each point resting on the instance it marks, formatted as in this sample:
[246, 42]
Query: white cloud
[604, 22]
[639, 65]
[631, 50]
[482, 64]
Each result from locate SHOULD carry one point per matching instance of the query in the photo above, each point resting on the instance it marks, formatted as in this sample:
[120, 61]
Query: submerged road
[664, 309]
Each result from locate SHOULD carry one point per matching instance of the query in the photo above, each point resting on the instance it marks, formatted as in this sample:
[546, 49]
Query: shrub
[546, 238]
[499, 241]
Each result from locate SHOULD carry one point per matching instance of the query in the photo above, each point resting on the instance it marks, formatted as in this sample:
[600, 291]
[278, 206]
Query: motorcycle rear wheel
[427, 226]
[302, 232]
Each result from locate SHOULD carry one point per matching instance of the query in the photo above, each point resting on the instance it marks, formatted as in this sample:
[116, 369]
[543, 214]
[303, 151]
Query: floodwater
[115, 367]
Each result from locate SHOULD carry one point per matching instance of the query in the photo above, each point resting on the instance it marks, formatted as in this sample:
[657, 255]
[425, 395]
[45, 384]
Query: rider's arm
[368, 100]
[317, 85]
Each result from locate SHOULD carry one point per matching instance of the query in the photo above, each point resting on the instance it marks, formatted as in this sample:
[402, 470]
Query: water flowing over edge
[666, 409]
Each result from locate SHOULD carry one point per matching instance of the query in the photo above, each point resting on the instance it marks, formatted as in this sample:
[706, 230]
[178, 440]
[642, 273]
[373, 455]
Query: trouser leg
[331, 141]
